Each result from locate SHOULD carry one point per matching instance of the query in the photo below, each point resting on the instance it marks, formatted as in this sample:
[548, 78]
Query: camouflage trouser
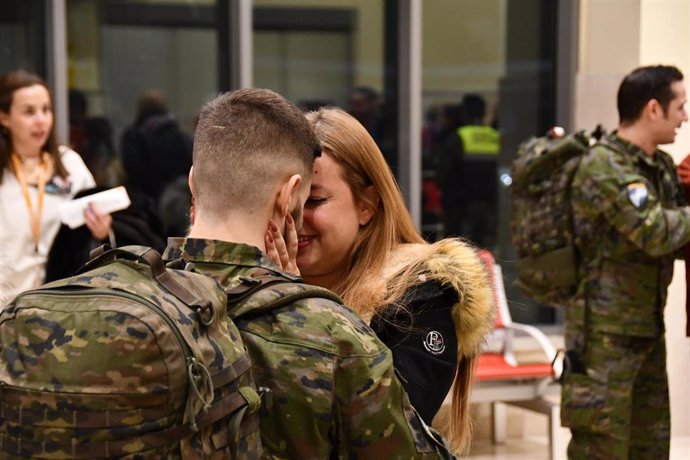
[619, 407]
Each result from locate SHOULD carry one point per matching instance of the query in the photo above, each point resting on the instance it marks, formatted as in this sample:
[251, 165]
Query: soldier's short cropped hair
[641, 86]
[245, 142]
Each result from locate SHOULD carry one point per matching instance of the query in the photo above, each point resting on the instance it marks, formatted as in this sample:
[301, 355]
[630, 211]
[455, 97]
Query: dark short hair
[644, 84]
[474, 106]
[368, 92]
[151, 102]
[245, 142]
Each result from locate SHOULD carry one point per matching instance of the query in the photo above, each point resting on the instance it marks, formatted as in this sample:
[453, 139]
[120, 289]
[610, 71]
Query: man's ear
[654, 110]
[192, 208]
[368, 205]
[286, 194]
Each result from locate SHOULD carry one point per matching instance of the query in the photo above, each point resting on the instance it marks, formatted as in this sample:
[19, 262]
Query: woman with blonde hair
[430, 303]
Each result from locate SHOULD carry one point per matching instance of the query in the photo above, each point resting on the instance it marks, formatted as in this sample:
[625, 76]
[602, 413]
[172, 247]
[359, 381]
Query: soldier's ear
[191, 181]
[192, 207]
[654, 110]
[286, 194]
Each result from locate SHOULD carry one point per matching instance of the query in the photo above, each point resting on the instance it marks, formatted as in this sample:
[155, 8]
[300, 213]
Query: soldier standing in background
[631, 220]
[334, 390]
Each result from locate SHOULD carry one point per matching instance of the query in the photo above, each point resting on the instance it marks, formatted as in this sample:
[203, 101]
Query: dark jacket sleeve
[449, 168]
[424, 344]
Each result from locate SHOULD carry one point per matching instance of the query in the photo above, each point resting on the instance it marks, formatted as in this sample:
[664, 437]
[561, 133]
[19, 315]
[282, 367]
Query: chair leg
[499, 422]
[555, 448]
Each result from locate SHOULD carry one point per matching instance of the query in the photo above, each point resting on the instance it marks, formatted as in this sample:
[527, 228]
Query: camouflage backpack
[129, 359]
[541, 217]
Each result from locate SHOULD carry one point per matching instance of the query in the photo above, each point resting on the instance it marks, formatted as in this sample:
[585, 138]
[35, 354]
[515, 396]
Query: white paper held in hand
[106, 202]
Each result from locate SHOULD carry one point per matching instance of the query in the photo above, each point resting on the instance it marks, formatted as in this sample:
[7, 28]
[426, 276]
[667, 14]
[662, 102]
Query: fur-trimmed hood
[455, 263]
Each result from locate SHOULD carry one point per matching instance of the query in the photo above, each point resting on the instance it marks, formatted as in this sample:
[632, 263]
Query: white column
[241, 25]
[56, 62]
[410, 105]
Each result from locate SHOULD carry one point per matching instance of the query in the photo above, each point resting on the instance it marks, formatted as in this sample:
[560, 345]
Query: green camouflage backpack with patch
[541, 217]
[129, 359]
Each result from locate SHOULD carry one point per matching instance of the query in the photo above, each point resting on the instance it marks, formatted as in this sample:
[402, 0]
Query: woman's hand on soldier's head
[282, 250]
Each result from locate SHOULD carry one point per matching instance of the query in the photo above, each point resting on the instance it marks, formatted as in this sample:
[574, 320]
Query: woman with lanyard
[36, 177]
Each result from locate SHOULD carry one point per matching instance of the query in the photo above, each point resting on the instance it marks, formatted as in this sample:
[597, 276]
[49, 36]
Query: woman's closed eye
[313, 201]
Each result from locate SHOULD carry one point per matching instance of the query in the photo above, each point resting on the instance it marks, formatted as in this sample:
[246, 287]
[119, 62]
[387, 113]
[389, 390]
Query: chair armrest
[544, 343]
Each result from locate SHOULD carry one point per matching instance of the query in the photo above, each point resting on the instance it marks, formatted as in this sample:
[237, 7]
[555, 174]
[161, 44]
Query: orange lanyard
[42, 180]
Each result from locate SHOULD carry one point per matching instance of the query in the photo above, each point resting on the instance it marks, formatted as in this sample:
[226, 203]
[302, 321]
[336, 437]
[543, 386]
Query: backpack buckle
[204, 308]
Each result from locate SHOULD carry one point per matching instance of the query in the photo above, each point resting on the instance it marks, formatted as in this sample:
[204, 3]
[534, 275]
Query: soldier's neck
[639, 137]
[230, 232]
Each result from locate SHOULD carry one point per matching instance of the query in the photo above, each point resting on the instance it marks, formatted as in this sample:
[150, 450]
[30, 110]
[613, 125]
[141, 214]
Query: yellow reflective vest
[480, 140]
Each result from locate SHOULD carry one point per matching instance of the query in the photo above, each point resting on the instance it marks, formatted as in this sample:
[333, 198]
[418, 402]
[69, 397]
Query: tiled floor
[537, 449]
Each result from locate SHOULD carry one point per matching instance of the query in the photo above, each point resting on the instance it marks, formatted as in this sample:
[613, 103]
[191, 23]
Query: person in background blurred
[155, 150]
[364, 104]
[92, 138]
[467, 173]
[36, 176]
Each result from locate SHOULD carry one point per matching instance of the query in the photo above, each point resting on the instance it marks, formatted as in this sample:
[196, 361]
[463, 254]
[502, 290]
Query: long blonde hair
[364, 287]
[345, 140]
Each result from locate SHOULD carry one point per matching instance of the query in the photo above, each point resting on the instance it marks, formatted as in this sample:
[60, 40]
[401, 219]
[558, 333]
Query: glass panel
[305, 66]
[22, 39]
[119, 49]
[139, 71]
[323, 53]
[486, 87]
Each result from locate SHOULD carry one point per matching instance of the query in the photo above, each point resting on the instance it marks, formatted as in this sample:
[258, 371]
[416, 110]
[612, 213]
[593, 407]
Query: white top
[21, 267]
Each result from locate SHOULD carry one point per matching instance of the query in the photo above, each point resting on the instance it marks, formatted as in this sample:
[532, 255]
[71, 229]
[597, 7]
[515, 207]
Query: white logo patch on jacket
[637, 193]
[434, 343]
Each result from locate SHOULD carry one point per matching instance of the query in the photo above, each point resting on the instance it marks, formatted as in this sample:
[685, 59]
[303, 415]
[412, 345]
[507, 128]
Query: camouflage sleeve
[629, 203]
[376, 417]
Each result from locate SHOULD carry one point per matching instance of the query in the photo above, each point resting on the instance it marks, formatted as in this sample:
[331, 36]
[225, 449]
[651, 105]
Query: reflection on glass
[118, 49]
[327, 53]
[488, 84]
[138, 74]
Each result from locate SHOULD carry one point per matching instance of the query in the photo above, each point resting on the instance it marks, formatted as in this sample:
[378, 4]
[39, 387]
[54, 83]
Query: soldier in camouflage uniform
[334, 391]
[630, 220]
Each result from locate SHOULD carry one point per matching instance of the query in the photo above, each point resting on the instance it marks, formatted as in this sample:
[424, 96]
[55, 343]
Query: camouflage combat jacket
[630, 219]
[334, 391]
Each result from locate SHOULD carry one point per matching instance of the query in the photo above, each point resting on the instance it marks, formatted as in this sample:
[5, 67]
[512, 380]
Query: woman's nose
[43, 117]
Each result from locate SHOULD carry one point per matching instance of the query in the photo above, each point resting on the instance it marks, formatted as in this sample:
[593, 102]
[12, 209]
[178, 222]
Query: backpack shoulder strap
[611, 144]
[263, 290]
[104, 255]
